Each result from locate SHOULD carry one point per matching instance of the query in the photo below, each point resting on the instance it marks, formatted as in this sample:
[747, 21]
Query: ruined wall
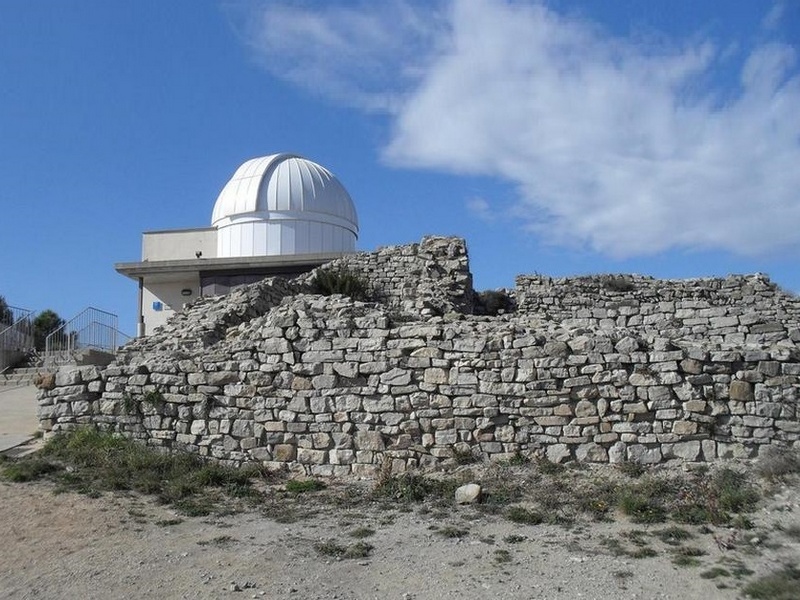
[425, 279]
[332, 386]
[736, 309]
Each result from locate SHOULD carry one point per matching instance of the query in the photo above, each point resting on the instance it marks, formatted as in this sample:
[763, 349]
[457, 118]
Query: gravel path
[117, 546]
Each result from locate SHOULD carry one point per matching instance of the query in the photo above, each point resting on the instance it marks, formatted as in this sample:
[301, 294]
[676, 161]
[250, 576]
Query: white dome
[282, 205]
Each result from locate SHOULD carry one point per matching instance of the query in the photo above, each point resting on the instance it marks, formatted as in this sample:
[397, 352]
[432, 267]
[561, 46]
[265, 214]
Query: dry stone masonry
[599, 369]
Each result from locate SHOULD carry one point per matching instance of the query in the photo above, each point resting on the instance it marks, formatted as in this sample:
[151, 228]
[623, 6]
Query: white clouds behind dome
[283, 204]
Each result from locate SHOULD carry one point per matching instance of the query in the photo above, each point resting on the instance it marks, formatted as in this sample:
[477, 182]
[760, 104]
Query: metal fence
[93, 329]
[16, 335]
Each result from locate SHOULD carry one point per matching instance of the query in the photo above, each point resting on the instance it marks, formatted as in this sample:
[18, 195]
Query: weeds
[632, 469]
[518, 514]
[673, 536]
[411, 487]
[617, 283]
[617, 548]
[777, 463]
[546, 467]
[340, 281]
[302, 486]
[715, 572]
[781, 585]
[450, 531]
[29, 470]
[464, 457]
[362, 532]
[333, 548]
[493, 303]
[687, 556]
[622, 577]
[792, 532]
[220, 540]
[711, 500]
[100, 462]
[642, 509]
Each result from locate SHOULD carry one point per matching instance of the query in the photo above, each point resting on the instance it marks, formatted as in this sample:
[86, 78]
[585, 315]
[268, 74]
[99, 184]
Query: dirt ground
[127, 546]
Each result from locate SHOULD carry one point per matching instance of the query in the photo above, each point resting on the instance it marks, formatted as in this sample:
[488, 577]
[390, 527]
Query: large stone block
[641, 454]
[591, 452]
[369, 440]
[396, 376]
[741, 391]
[558, 453]
[284, 452]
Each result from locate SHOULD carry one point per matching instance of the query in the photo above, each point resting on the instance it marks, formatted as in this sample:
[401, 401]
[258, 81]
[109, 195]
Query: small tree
[6, 316]
[45, 323]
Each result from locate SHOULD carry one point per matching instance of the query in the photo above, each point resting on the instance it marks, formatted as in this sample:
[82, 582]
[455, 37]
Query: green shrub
[673, 535]
[736, 493]
[335, 549]
[450, 531]
[301, 486]
[411, 487]
[362, 532]
[340, 281]
[493, 303]
[502, 556]
[641, 508]
[521, 515]
[28, 470]
[101, 461]
[617, 283]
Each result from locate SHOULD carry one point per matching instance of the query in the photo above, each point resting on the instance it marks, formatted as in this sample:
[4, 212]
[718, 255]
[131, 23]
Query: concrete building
[278, 215]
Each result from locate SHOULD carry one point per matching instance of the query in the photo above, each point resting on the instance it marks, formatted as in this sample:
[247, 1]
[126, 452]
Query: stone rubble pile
[331, 386]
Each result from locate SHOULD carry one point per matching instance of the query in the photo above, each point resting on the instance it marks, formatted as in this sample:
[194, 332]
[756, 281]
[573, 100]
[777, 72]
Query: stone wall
[425, 279]
[734, 310]
[333, 386]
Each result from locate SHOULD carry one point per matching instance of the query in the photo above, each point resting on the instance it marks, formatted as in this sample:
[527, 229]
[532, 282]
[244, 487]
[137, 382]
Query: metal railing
[16, 336]
[93, 329]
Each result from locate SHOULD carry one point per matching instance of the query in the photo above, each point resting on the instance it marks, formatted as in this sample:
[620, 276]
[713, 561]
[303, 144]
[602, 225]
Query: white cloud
[612, 145]
[480, 208]
[364, 54]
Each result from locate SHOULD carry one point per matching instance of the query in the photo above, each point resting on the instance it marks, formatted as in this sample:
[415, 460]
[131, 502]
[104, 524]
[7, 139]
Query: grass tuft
[521, 515]
[99, 461]
[362, 532]
[28, 470]
[337, 550]
[777, 463]
[781, 585]
[302, 486]
[412, 487]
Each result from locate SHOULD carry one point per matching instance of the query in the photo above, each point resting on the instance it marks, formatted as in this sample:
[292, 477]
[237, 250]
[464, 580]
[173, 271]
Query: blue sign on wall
[157, 306]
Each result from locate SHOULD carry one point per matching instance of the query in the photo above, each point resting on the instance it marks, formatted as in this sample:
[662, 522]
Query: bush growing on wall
[493, 303]
[340, 281]
[617, 283]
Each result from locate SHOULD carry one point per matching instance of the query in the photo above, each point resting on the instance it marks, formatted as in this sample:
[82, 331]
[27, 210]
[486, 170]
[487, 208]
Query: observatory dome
[283, 205]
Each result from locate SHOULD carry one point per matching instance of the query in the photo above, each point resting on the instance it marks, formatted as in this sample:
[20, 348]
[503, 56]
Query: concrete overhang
[239, 264]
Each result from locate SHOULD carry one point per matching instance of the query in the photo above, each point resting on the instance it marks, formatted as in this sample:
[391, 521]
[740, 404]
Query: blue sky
[658, 137]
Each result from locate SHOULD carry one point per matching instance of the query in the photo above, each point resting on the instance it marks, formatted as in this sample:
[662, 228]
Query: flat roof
[185, 230]
[240, 264]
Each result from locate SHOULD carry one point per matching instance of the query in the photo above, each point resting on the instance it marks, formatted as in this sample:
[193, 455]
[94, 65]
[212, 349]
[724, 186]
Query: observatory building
[278, 215]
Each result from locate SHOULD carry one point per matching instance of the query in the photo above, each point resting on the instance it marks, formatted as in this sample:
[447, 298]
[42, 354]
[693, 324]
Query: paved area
[18, 422]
